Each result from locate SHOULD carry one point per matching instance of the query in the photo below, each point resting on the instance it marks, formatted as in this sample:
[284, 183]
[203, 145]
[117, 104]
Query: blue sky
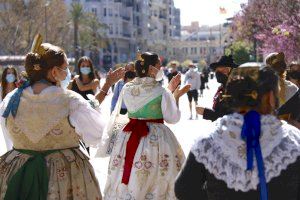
[207, 11]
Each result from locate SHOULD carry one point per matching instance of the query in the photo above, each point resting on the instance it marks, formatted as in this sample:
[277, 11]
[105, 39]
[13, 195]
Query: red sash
[138, 129]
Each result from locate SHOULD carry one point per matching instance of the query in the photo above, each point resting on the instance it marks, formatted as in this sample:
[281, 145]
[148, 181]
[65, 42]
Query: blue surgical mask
[85, 70]
[65, 83]
[10, 78]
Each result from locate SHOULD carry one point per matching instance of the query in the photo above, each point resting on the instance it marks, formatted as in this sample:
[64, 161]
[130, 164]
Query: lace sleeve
[88, 122]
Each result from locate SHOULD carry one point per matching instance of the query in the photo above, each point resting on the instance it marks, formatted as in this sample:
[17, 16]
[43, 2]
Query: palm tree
[76, 14]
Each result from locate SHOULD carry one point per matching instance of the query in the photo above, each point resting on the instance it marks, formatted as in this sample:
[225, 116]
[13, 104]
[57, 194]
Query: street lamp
[46, 5]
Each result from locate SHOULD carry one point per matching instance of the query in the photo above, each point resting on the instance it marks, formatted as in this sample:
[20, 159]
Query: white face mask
[159, 76]
[10, 78]
[65, 83]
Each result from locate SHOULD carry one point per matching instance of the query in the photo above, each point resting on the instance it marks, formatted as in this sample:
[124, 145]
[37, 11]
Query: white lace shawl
[223, 152]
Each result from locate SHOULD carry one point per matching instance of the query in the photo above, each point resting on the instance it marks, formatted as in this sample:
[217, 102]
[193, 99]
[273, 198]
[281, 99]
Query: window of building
[94, 11]
[111, 29]
[110, 12]
[104, 13]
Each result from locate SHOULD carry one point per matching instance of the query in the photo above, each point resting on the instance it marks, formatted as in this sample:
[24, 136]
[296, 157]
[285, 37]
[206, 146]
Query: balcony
[162, 16]
[126, 18]
[126, 35]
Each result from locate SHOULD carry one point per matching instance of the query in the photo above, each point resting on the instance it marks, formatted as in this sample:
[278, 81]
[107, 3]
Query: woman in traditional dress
[146, 156]
[248, 154]
[45, 123]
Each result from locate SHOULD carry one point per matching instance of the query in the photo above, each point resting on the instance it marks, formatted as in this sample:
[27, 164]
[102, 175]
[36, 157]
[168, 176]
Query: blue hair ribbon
[251, 133]
[13, 104]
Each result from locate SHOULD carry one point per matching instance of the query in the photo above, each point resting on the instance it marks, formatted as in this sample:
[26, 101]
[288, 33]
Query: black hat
[226, 61]
[291, 107]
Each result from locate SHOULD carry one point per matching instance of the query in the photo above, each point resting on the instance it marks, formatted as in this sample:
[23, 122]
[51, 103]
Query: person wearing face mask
[45, 123]
[192, 77]
[249, 154]
[86, 82]
[222, 70]
[9, 81]
[145, 157]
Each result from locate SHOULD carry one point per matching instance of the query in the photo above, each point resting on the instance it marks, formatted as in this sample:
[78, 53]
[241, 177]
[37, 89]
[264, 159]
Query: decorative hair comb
[36, 45]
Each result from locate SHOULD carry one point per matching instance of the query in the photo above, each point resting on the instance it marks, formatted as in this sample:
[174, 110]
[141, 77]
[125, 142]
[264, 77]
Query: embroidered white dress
[158, 158]
[53, 119]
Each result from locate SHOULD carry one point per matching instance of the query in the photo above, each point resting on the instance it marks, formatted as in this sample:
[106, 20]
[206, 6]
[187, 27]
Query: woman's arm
[191, 180]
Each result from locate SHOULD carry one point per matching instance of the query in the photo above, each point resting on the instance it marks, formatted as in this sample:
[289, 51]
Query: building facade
[132, 25]
[199, 43]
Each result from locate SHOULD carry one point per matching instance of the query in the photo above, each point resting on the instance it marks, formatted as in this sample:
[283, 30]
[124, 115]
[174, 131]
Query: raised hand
[114, 76]
[174, 82]
[179, 92]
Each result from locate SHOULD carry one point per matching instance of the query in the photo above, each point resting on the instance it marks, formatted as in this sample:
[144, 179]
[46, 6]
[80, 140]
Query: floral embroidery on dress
[116, 162]
[143, 168]
[149, 196]
[164, 164]
[61, 173]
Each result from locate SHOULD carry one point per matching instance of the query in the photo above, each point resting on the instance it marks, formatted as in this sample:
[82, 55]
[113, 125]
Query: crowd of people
[48, 116]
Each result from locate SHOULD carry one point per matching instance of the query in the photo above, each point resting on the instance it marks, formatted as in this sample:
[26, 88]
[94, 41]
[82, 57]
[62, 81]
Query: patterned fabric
[158, 158]
[156, 164]
[223, 152]
[151, 110]
[42, 123]
[71, 176]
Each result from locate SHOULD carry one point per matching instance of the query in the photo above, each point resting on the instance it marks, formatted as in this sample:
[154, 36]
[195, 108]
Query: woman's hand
[199, 110]
[174, 82]
[114, 76]
[179, 92]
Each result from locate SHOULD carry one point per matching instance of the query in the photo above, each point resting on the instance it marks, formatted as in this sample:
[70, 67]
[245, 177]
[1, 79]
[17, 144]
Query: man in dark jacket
[222, 70]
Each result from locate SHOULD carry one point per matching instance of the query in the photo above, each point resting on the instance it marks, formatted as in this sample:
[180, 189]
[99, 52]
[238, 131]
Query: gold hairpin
[37, 45]
[226, 96]
[253, 94]
[37, 67]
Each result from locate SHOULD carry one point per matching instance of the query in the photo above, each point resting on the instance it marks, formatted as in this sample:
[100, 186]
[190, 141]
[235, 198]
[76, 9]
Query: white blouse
[88, 122]
[169, 108]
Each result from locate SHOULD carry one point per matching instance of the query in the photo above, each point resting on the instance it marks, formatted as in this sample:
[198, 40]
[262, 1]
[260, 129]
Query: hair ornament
[37, 45]
[37, 67]
[253, 94]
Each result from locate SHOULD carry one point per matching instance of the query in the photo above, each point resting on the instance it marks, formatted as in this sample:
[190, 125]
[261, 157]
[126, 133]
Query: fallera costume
[45, 133]
[145, 156]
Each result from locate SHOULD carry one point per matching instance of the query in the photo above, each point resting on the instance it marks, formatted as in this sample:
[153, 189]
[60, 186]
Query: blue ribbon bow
[251, 133]
[13, 104]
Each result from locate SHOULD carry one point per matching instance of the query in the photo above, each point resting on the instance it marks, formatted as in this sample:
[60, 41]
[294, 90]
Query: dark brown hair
[86, 59]
[239, 89]
[37, 66]
[142, 66]
[4, 81]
